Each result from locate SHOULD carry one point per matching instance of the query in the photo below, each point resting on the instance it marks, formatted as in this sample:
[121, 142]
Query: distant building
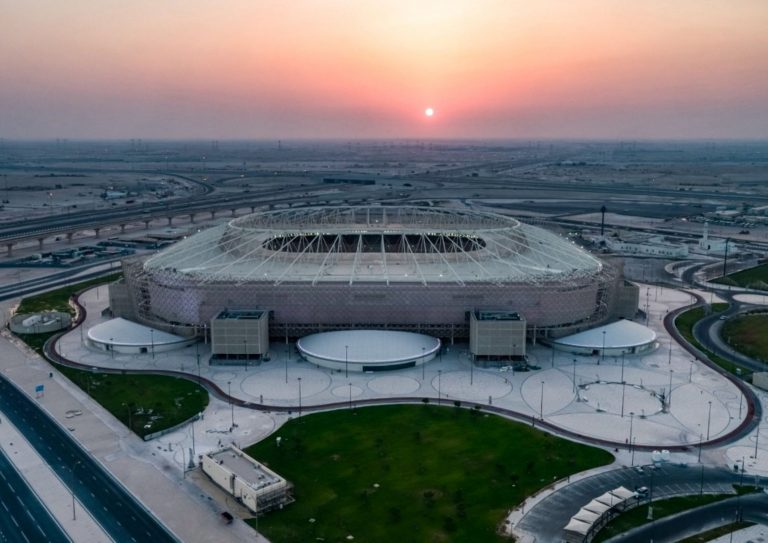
[715, 246]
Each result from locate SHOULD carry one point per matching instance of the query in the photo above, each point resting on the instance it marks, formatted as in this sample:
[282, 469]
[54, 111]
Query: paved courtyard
[611, 398]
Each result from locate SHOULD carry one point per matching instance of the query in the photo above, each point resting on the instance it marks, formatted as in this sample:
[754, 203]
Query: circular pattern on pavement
[393, 385]
[344, 391]
[224, 376]
[607, 397]
[271, 385]
[462, 385]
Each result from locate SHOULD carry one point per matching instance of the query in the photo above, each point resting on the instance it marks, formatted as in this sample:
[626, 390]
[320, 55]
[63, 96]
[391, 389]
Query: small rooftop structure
[617, 338]
[127, 337]
[368, 350]
[251, 483]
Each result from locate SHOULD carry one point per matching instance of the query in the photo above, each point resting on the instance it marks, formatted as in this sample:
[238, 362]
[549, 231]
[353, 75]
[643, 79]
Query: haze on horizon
[369, 69]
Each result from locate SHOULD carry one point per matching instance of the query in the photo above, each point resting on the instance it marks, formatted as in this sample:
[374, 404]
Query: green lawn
[662, 508]
[747, 334]
[416, 474]
[58, 300]
[710, 535]
[756, 278]
[156, 400]
[684, 324]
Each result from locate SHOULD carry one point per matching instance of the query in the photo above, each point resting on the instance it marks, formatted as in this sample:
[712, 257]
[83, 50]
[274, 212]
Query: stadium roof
[377, 244]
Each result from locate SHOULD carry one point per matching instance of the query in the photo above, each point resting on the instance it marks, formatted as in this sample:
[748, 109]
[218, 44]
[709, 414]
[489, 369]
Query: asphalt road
[121, 515]
[23, 517]
[547, 518]
[752, 508]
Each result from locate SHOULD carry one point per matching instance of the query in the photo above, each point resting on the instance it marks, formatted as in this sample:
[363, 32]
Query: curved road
[751, 507]
[119, 513]
[548, 517]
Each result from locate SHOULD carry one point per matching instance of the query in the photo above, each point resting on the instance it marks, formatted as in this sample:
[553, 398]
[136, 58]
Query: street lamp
[346, 361]
[602, 353]
[574, 376]
[152, 341]
[623, 391]
[299, 378]
[231, 407]
[422, 364]
[709, 418]
[622, 367]
[245, 352]
[631, 423]
[439, 394]
[541, 406]
[350, 395]
[669, 397]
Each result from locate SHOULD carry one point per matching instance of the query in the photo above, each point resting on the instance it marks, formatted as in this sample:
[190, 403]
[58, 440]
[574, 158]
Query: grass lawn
[684, 324]
[58, 300]
[747, 334]
[416, 474]
[709, 535]
[662, 508]
[756, 278]
[155, 400]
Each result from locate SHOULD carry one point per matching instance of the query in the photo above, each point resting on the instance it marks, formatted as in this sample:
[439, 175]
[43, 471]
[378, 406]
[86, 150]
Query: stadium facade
[420, 269]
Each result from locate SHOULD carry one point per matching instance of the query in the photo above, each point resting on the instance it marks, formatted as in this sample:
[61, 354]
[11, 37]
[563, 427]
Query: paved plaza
[608, 398]
[581, 394]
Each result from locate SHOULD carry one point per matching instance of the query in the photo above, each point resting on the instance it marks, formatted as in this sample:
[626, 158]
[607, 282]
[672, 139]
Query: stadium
[420, 269]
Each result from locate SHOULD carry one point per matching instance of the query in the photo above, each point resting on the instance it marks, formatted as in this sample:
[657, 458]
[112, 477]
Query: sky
[262, 69]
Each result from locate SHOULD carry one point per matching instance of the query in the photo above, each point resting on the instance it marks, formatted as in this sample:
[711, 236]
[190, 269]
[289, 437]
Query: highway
[23, 518]
[119, 513]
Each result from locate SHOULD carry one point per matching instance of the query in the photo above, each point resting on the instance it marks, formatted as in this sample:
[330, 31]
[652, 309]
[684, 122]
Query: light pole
[346, 361]
[631, 423]
[574, 376]
[741, 400]
[725, 259]
[757, 439]
[299, 379]
[112, 347]
[245, 353]
[709, 418]
[701, 439]
[669, 360]
[622, 367]
[197, 354]
[541, 406]
[287, 356]
[669, 396]
[192, 457]
[152, 341]
[231, 407]
[439, 394]
[623, 390]
[602, 352]
[350, 395]
[422, 364]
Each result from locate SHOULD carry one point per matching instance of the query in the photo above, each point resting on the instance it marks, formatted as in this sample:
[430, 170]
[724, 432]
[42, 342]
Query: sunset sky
[364, 68]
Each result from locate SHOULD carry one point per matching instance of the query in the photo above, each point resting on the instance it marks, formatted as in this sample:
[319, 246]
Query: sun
[429, 112]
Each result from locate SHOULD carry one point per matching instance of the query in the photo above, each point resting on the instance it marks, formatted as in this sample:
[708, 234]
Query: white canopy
[618, 335]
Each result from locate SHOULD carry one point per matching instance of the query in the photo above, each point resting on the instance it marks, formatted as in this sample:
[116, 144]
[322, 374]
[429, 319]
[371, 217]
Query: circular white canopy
[368, 347]
[127, 333]
[617, 335]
